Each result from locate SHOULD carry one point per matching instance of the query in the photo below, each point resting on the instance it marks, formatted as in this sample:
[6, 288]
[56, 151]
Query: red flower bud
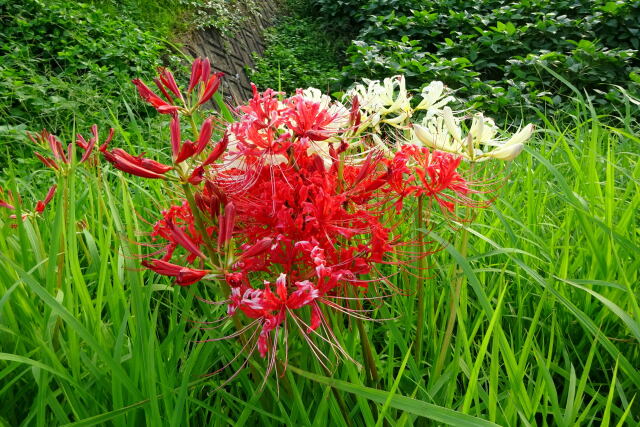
[166, 77]
[210, 88]
[205, 136]
[184, 275]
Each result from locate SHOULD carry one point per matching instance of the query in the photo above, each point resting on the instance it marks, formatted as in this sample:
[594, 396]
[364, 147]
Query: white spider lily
[434, 97]
[435, 134]
[401, 104]
[452, 124]
[513, 146]
[444, 133]
[386, 102]
[483, 130]
[506, 153]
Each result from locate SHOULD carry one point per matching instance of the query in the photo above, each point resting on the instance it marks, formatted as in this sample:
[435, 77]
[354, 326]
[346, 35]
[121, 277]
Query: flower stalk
[420, 281]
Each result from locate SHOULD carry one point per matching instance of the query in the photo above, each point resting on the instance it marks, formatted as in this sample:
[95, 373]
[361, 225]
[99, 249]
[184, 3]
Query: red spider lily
[209, 88]
[205, 136]
[88, 146]
[44, 138]
[167, 79]
[271, 308]
[175, 136]
[437, 174]
[183, 151]
[200, 71]
[60, 157]
[4, 203]
[40, 204]
[217, 151]
[288, 192]
[178, 228]
[307, 119]
[184, 276]
[163, 107]
[263, 108]
[138, 166]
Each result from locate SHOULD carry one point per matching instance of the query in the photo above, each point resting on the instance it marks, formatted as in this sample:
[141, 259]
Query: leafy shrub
[347, 17]
[491, 49]
[299, 54]
[223, 15]
[63, 61]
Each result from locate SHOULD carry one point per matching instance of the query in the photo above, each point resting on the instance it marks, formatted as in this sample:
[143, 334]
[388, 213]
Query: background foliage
[299, 54]
[491, 51]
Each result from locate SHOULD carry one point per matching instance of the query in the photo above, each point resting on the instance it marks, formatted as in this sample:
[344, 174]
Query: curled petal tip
[507, 152]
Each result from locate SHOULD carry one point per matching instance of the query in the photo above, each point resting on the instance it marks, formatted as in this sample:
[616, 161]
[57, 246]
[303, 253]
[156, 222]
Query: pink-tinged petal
[6, 205]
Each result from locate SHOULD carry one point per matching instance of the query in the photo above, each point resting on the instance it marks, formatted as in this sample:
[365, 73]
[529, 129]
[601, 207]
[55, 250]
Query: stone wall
[231, 54]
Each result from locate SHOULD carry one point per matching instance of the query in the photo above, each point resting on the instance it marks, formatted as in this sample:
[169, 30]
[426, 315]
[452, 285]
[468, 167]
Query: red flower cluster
[59, 159]
[11, 201]
[288, 209]
[174, 100]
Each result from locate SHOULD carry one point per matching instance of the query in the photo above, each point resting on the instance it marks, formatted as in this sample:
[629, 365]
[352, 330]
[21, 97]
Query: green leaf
[402, 403]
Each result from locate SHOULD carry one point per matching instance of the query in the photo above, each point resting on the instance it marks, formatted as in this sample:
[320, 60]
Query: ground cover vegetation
[527, 313]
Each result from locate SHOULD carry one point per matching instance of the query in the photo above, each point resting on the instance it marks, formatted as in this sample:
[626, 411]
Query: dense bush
[64, 61]
[299, 54]
[491, 49]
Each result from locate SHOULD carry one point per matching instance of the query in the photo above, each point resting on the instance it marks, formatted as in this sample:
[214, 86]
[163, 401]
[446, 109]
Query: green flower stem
[202, 229]
[453, 306]
[369, 360]
[420, 283]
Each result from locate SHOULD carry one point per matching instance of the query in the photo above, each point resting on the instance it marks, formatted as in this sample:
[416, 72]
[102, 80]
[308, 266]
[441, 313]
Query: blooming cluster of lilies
[292, 209]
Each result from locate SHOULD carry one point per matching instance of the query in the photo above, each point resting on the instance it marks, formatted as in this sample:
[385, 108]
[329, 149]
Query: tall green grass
[547, 328]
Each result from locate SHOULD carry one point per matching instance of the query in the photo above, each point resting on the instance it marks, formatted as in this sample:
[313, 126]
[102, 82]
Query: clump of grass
[547, 329]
